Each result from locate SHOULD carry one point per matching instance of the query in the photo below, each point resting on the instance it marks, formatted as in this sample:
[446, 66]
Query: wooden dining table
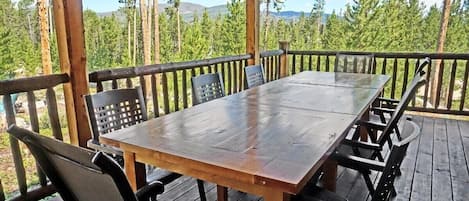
[268, 141]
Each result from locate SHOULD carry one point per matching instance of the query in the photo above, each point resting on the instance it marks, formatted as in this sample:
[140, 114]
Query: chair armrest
[382, 110]
[104, 148]
[360, 144]
[151, 190]
[358, 163]
[372, 125]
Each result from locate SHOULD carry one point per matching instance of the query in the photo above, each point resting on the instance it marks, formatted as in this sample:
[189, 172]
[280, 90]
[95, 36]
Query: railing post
[284, 45]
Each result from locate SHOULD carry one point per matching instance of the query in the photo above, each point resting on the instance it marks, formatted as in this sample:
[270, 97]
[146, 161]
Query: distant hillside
[188, 10]
[291, 15]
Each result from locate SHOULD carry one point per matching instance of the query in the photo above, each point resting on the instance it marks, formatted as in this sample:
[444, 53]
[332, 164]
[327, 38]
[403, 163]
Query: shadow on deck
[436, 168]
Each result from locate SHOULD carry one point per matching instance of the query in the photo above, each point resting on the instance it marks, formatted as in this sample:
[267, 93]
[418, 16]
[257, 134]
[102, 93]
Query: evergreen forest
[118, 40]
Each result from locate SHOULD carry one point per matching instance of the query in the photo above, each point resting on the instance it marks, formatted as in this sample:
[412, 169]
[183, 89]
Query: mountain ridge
[188, 10]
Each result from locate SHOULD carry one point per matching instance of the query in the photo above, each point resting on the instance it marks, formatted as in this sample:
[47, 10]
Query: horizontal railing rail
[447, 97]
[167, 87]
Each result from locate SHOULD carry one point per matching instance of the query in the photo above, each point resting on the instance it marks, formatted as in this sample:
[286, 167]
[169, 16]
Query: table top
[276, 135]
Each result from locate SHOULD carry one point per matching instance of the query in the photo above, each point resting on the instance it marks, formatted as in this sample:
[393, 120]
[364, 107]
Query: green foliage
[373, 25]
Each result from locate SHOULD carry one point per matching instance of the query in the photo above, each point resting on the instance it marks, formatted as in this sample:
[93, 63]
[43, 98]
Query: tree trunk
[146, 42]
[156, 45]
[440, 48]
[135, 35]
[266, 25]
[157, 33]
[179, 30]
[146, 33]
[129, 40]
[44, 33]
[150, 42]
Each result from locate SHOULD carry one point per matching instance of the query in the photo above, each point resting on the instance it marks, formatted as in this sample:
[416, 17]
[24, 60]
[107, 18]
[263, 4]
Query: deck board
[404, 185]
[421, 185]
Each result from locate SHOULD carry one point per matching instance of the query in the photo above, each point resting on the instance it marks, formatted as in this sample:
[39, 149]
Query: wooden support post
[284, 45]
[73, 14]
[252, 31]
[61, 33]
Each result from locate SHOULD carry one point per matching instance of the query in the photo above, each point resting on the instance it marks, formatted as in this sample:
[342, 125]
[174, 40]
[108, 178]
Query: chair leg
[368, 182]
[398, 133]
[200, 185]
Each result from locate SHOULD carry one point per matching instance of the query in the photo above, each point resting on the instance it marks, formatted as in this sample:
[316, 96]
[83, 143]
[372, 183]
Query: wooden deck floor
[435, 168]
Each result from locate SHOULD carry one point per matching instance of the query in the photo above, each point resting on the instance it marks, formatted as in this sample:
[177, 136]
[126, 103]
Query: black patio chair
[116, 109]
[207, 87]
[79, 174]
[380, 133]
[112, 110]
[410, 130]
[384, 188]
[354, 63]
[254, 75]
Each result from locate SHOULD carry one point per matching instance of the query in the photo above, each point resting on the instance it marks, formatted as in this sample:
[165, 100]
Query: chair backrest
[401, 107]
[254, 75]
[354, 63]
[74, 171]
[420, 70]
[207, 87]
[398, 152]
[422, 64]
[115, 109]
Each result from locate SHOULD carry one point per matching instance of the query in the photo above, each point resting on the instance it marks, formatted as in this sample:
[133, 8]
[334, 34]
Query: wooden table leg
[222, 193]
[276, 196]
[134, 171]
[363, 131]
[330, 174]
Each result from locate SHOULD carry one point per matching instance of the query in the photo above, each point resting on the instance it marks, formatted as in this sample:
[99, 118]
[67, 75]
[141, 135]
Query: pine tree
[430, 29]
[234, 29]
[175, 12]
[456, 30]
[363, 19]
[207, 32]
[334, 37]
[166, 41]
[195, 46]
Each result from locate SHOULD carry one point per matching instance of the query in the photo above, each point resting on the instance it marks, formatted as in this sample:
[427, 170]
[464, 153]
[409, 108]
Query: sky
[290, 5]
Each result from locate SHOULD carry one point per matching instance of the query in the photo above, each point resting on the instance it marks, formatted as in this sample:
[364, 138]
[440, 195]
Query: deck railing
[168, 86]
[168, 89]
[33, 87]
[447, 97]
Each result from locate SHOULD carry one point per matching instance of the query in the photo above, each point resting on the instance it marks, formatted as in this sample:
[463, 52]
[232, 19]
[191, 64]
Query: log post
[252, 31]
[74, 33]
[61, 34]
[284, 45]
